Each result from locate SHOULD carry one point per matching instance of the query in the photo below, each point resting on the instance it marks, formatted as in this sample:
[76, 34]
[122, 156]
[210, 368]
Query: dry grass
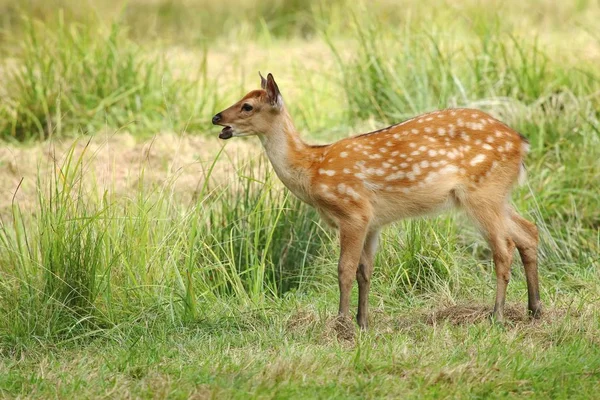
[119, 162]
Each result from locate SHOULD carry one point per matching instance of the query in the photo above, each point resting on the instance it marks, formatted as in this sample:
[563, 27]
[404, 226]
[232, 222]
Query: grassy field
[142, 258]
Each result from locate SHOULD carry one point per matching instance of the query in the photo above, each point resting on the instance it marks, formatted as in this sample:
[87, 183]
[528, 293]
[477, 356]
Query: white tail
[450, 158]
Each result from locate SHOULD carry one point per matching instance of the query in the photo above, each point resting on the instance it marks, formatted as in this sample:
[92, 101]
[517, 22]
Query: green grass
[142, 293]
[75, 78]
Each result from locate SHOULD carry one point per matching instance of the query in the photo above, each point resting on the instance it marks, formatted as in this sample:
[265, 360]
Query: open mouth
[226, 133]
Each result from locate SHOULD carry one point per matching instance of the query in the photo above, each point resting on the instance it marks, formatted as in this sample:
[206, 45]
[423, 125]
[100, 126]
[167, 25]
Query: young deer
[450, 158]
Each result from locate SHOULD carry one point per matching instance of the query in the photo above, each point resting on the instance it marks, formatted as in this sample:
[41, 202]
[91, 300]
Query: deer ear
[273, 92]
[263, 81]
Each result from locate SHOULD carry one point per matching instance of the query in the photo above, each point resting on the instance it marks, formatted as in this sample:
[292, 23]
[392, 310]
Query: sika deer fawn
[451, 158]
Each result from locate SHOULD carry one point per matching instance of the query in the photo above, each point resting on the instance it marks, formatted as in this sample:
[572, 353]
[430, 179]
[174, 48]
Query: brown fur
[449, 158]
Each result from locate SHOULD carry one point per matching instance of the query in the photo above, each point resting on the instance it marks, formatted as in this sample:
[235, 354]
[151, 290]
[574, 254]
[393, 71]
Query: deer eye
[247, 107]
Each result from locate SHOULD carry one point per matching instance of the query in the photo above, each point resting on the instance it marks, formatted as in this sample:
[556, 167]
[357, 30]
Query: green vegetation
[225, 285]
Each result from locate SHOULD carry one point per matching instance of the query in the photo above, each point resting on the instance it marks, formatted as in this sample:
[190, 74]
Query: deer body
[451, 158]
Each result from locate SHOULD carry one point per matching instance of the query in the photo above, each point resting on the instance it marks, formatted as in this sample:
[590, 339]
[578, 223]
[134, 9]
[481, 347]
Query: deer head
[260, 112]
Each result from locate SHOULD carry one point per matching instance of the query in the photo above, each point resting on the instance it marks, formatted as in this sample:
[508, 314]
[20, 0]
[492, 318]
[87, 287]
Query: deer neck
[291, 157]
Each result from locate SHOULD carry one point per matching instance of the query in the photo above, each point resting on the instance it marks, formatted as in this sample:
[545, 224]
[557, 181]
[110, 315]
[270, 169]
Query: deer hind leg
[525, 236]
[492, 219]
[363, 276]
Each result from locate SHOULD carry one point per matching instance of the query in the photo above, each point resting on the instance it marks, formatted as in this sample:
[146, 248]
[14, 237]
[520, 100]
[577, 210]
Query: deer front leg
[352, 238]
[363, 276]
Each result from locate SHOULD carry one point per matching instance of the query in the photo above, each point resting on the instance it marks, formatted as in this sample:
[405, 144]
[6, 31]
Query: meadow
[141, 257]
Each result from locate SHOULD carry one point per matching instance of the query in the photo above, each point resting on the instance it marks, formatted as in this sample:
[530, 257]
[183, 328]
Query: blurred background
[122, 214]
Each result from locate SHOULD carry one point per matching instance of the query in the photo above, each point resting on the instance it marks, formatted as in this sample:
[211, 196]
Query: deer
[456, 158]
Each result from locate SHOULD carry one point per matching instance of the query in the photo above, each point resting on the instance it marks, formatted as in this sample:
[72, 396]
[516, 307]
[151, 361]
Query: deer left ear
[263, 81]
[273, 92]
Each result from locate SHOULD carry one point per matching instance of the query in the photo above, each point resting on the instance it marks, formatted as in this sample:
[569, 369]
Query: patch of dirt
[301, 321]
[342, 328]
[463, 314]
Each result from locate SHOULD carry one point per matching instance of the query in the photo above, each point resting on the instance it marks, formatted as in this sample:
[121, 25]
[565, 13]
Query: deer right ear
[273, 92]
[263, 81]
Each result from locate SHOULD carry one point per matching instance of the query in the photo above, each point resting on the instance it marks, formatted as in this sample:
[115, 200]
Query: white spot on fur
[449, 169]
[347, 171]
[441, 131]
[415, 153]
[432, 153]
[428, 130]
[477, 159]
[395, 176]
[431, 176]
[424, 164]
[412, 144]
[422, 148]
[414, 131]
[487, 146]
[344, 154]
[328, 172]
[353, 193]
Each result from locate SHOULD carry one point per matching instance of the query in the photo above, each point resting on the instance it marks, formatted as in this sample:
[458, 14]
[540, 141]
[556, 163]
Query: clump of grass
[397, 73]
[85, 263]
[76, 78]
[173, 21]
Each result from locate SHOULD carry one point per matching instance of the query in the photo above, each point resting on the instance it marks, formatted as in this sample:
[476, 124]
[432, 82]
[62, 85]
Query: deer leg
[502, 248]
[352, 238]
[363, 276]
[492, 218]
[525, 236]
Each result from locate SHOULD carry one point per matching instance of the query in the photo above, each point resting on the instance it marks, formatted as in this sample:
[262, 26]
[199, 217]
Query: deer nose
[216, 119]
